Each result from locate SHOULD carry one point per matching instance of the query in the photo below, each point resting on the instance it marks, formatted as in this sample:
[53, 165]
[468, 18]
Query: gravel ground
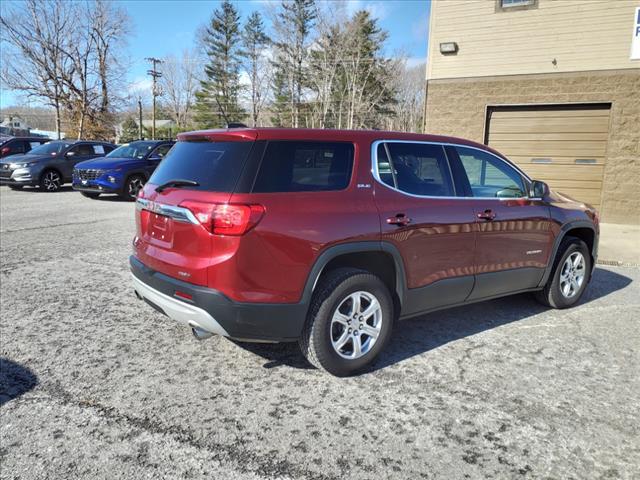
[97, 385]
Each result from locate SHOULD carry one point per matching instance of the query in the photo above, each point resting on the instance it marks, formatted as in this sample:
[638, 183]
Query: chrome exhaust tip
[201, 334]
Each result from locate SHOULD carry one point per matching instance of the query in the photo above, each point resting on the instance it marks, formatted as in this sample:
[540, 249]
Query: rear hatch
[185, 200]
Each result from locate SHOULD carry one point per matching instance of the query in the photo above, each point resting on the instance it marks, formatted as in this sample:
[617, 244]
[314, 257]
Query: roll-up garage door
[563, 145]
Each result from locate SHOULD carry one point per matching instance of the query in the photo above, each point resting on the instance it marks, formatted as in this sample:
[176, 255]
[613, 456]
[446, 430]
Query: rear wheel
[570, 275]
[50, 181]
[90, 194]
[349, 322]
[132, 186]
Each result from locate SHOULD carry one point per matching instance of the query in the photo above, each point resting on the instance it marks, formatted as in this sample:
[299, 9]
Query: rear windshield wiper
[177, 183]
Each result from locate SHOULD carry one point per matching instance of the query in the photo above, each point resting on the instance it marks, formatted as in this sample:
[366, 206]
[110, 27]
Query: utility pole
[140, 118]
[155, 74]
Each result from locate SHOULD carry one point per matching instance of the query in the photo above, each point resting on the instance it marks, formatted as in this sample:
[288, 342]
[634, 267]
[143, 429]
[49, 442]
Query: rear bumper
[212, 311]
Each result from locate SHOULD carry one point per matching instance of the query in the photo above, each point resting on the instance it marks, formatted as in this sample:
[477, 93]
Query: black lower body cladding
[245, 321]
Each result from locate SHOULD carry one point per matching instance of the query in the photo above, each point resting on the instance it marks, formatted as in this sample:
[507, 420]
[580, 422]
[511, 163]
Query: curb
[617, 263]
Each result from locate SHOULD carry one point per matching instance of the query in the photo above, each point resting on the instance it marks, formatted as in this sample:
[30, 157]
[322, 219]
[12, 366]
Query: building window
[511, 5]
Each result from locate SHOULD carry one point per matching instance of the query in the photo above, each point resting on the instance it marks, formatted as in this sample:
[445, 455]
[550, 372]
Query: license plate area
[160, 229]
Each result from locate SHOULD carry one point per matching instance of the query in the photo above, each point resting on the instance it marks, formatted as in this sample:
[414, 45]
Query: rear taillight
[225, 218]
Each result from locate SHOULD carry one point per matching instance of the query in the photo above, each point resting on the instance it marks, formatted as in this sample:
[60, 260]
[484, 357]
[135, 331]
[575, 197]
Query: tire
[50, 181]
[331, 322]
[569, 277]
[15, 187]
[90, 194]
[132, 186]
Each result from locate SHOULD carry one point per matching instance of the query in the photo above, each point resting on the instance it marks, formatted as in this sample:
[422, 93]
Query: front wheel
[349, 322]
[570, 275]
[132, 186]
[50, 181]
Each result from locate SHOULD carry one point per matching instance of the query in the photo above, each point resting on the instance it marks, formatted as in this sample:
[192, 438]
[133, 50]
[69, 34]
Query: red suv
[327, 237]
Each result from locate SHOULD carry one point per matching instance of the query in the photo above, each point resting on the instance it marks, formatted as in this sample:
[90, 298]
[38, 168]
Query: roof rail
[236, 125]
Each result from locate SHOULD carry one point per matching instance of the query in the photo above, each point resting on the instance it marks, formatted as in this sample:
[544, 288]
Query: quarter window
[489, 176]
[305, 167]
[415, 168]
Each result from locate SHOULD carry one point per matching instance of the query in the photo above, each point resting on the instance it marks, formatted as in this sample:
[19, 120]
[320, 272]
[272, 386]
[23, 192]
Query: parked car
[49, 166]
[327, 237]
[20, 145]
[123, 171]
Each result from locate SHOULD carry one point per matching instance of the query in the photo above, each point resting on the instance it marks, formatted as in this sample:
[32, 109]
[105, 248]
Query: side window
[305, 167]
[162, 150]
[489, 176]
[108, 148]
[384, 166]
[82, 149]
[19, 146]
[419, 169]
[32, 144]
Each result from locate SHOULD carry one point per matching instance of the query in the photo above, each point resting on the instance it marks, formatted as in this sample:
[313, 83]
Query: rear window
[305, 167]
[216, 166]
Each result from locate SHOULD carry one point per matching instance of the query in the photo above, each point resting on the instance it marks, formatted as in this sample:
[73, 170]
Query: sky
[164, 27]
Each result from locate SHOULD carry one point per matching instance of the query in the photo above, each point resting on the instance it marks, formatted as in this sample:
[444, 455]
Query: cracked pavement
[95, 384]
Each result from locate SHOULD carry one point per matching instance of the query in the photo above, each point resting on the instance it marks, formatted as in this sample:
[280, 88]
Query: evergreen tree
[254, 41]
[129, 131]
[366, 83]
[219, 92]
[294, 24]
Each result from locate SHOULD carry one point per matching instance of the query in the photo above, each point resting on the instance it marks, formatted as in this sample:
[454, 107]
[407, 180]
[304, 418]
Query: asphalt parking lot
[97, 385]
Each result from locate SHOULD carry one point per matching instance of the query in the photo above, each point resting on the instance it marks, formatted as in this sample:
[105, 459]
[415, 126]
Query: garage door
[564, 146]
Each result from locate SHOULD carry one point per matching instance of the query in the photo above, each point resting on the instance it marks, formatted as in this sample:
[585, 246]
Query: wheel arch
[380, 258]
[581, 229]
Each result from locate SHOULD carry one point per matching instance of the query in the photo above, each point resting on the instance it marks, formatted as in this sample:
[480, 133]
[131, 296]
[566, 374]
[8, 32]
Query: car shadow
[15, 380]
[112, 198]
[63, 189]
[427, 332]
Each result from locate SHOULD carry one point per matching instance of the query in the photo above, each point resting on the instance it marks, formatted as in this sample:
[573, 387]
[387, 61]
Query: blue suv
[123, 171]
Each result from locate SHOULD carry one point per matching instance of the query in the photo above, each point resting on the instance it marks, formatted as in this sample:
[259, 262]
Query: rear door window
[417, 168]
[216, 166]
[292, 166]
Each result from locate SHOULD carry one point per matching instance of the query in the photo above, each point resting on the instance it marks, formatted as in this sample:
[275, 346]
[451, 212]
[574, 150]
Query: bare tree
[35, 40]
[179, 84]
[410, 92]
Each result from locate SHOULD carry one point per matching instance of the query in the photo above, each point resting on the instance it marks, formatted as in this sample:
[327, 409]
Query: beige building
[552, 84]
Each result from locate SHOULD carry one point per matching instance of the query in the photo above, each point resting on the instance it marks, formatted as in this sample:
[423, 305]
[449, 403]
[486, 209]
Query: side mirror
[538, 189]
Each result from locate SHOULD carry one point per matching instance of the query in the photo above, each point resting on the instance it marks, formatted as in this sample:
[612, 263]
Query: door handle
[400, 220]
[487, 215]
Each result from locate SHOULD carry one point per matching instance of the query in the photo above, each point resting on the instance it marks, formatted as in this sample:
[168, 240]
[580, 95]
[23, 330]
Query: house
[14, 125]
[554, 85]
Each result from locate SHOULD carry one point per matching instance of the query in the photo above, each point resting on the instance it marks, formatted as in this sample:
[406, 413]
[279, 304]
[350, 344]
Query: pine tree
[254, 41]
[365, 85]
[294, 24]
[129, 131]
[219, 92]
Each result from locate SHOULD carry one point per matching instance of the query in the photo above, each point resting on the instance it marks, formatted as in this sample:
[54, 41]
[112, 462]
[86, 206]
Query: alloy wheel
[51, 181]
[572, 275]
[134, 186]
[355, 325]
